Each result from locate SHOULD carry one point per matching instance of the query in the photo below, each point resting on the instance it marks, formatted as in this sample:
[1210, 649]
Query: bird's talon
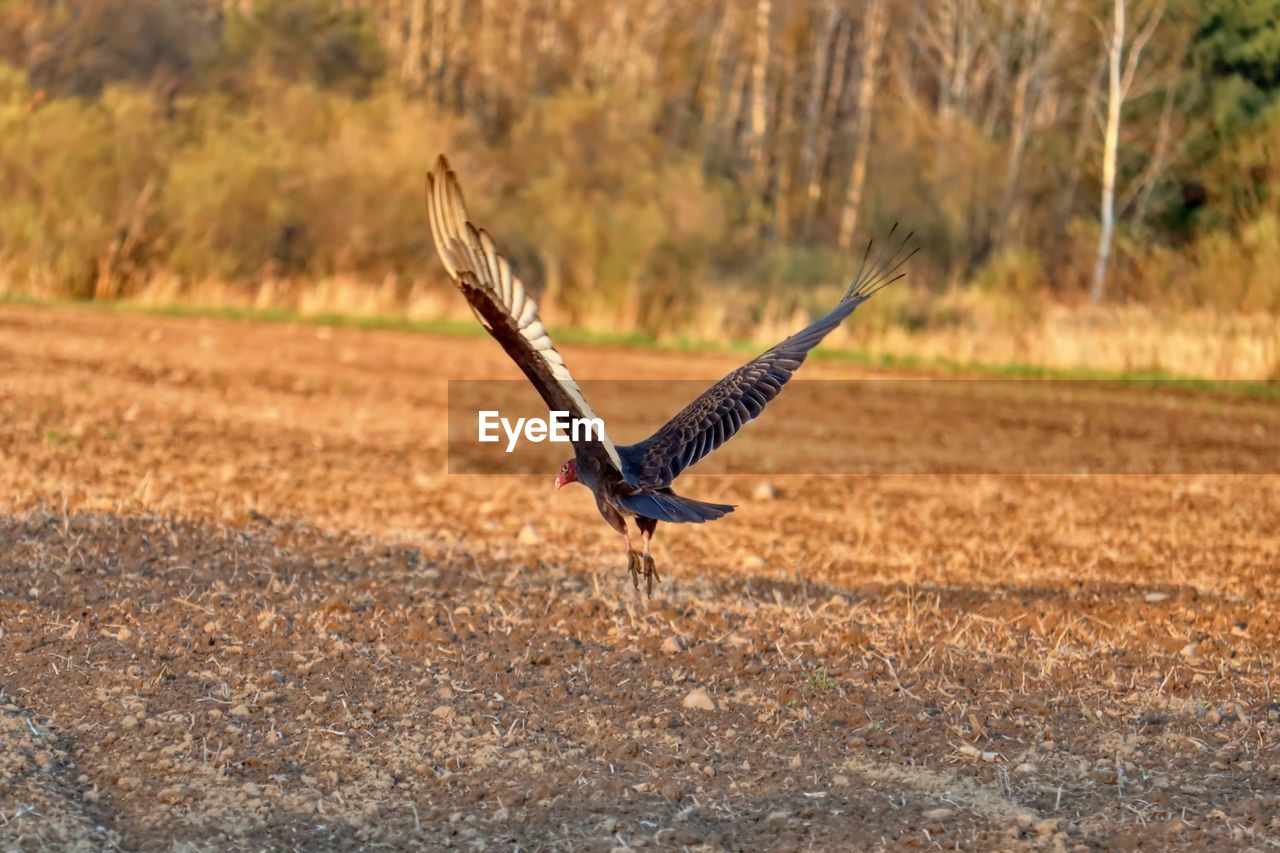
[651, 575]
[634, 566]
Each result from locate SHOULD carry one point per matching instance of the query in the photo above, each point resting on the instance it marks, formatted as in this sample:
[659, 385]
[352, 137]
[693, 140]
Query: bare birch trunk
[781, 176]
[1017, 148]
[393, 32]
[454, 68]
[759, 94]
[723, 64]
[1019, 120]
[813, 109]
[707, 99]
[873, 39]
[482, 94]
[411, 70]
[517, 36]
[738, 87]
[435, 51]
[835, 97]
[1110, 146]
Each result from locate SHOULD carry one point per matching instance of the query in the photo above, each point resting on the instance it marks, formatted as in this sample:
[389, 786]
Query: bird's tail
[670, 507]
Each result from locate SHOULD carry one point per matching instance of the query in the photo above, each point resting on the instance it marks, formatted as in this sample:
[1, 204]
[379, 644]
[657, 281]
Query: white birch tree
[1122, 68]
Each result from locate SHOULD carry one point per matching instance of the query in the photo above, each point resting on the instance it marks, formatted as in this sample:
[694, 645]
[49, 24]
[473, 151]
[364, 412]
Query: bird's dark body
[608, 486]
[617, 499]
[629, 481]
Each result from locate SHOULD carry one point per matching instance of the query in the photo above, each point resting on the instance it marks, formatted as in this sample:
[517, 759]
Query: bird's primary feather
[502, 304]
[717, 415]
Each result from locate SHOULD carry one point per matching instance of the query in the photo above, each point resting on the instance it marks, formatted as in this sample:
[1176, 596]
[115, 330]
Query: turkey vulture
[630, 481]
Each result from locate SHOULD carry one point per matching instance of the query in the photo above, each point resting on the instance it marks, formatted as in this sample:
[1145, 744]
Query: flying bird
[628, 481]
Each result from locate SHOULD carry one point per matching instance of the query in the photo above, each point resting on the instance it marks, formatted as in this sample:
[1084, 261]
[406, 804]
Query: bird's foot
[635, 565]
[642, 566]
[650, 571]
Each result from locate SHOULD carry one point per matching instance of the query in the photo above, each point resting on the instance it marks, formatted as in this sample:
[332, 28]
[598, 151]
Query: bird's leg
[634, 563]
[650, 570]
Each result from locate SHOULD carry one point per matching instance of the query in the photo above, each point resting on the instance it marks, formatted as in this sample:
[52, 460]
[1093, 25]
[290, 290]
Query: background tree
[1122, 69]
[1025, 158]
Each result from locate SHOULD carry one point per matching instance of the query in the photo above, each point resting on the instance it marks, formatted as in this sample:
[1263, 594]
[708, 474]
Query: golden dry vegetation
[987, 332]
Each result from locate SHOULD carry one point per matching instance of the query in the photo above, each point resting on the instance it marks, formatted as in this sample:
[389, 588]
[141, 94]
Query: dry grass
[966, 327]
[1120, 339]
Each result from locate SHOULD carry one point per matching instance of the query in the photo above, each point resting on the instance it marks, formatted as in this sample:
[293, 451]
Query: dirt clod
[764, 491]
[699, 699]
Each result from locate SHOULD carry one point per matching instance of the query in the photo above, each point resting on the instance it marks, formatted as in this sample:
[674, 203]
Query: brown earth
[242, 606]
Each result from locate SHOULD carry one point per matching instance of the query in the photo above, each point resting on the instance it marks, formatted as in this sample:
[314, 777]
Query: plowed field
[242, 606]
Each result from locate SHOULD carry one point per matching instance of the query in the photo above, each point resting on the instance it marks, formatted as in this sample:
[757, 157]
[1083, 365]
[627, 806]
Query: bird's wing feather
[501, 302]
[723, 409]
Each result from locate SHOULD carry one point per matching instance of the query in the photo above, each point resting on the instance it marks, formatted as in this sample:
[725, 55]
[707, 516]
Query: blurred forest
[639, 159]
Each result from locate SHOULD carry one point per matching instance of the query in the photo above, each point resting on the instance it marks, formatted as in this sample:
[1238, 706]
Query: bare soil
[242, 606]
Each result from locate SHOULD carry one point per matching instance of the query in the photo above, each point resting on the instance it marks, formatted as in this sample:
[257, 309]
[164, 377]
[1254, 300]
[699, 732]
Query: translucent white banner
[914, 426]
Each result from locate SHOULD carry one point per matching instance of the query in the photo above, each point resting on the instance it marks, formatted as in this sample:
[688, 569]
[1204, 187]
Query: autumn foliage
[642, 158]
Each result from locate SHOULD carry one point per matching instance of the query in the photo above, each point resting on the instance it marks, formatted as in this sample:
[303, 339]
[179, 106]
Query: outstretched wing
[501, 302]
[721, 411]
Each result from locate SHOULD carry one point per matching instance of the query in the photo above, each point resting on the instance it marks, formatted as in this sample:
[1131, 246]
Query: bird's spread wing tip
[497, 296]
[878, 272]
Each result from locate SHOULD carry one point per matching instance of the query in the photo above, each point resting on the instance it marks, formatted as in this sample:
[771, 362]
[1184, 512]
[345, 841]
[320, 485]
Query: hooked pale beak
[560, 481]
